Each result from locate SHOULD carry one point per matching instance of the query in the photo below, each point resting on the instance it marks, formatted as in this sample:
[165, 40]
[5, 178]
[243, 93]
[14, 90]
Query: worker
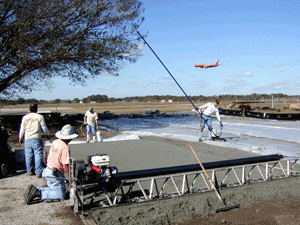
[32, 125]
[91, 121]
[57, 166]
[206, 111]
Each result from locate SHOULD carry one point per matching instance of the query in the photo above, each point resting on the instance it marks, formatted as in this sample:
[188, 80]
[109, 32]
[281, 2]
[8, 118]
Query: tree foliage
[95, 98]
[157, 98]
[77, 39]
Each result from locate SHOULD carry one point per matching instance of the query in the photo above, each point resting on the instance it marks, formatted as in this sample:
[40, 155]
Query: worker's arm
[22, 130]
[45, 129]
[21, 134]
[204, 106]
[84, 119]
[218, 116]
[66, 168]
[96, 119]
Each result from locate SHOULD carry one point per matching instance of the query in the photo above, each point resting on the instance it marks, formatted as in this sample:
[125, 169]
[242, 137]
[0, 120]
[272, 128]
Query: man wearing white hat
[57, 166]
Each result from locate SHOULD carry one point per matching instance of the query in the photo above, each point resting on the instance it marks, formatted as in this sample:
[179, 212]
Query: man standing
[57, 166]
[32, 125]
[206, 111]
[91, 121]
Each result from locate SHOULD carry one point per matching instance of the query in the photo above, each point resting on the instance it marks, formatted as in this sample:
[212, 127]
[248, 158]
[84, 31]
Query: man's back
[32, 123]
[58, 155]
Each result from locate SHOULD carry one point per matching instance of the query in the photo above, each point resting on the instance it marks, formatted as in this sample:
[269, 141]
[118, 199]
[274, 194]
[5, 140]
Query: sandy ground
[12, 207]
[13, 210]
[274, 202]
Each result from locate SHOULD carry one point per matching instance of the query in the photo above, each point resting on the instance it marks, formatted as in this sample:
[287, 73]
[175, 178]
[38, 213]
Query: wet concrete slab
[154, 152]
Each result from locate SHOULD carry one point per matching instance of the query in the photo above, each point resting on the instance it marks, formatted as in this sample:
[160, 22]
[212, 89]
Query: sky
[256, 42]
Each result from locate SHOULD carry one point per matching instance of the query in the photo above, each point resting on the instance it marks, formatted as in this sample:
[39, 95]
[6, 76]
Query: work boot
[3, 170]
[200, 139]
[31, 193]
[87, 140]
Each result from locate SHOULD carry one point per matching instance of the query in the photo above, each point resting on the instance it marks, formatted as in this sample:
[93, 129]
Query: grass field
[137, 107]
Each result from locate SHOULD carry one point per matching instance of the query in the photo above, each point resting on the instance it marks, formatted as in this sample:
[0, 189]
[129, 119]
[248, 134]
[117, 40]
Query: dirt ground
[280, 208]
[12, 208]
[275, 211]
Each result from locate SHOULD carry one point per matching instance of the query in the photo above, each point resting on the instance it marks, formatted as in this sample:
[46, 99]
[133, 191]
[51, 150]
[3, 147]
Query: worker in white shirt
[206, 111]
[91, 121]
[32, 126]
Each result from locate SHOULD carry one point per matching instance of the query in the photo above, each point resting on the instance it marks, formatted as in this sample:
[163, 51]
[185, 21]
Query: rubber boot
[94, 138]
[3, 170]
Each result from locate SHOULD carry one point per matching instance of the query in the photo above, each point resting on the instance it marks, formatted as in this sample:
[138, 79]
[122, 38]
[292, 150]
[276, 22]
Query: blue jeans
[89, 129]
[203, 123]
[33, 149]
[56, 185]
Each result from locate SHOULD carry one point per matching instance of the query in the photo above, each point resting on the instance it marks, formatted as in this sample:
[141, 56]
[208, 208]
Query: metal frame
[145, 189]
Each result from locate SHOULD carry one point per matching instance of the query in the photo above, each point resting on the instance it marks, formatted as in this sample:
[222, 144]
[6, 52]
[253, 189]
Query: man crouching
[57, 166]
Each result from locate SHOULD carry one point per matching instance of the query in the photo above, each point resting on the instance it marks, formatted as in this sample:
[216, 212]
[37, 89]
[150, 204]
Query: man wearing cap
[91, 121]
[207, 110]
[32, 126]
[57, 166]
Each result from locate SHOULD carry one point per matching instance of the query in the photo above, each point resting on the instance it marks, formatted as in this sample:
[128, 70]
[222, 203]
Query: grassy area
[120, 108]
[137, 107]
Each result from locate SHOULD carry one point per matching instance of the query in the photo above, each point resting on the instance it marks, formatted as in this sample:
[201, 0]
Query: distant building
[163, 101]
[294, 106]
[170, 100]
[93, 102]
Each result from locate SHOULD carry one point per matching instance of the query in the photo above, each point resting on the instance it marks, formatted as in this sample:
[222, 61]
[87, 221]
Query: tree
[76, 100]
[20, 101]
[57, 101]
[77, 39]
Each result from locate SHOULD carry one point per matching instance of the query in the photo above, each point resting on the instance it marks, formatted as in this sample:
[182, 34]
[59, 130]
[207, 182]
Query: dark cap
[217, 101]
[33, 107]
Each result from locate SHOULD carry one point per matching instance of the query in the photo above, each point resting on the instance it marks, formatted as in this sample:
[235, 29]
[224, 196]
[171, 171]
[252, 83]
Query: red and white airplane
[201, 65]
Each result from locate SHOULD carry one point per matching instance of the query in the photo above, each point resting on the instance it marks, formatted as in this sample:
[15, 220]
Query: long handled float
[197, 110]
[225, 208]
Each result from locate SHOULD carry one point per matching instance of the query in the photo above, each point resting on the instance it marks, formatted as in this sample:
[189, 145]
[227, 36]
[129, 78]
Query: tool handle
[211, 183]
[202, 167]
[175, 81]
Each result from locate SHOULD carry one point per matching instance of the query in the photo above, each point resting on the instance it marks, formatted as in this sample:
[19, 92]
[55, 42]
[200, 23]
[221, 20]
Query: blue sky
[257, 43]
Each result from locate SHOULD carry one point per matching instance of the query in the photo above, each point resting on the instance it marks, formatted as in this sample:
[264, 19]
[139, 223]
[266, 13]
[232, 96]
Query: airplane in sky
[202, 65]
